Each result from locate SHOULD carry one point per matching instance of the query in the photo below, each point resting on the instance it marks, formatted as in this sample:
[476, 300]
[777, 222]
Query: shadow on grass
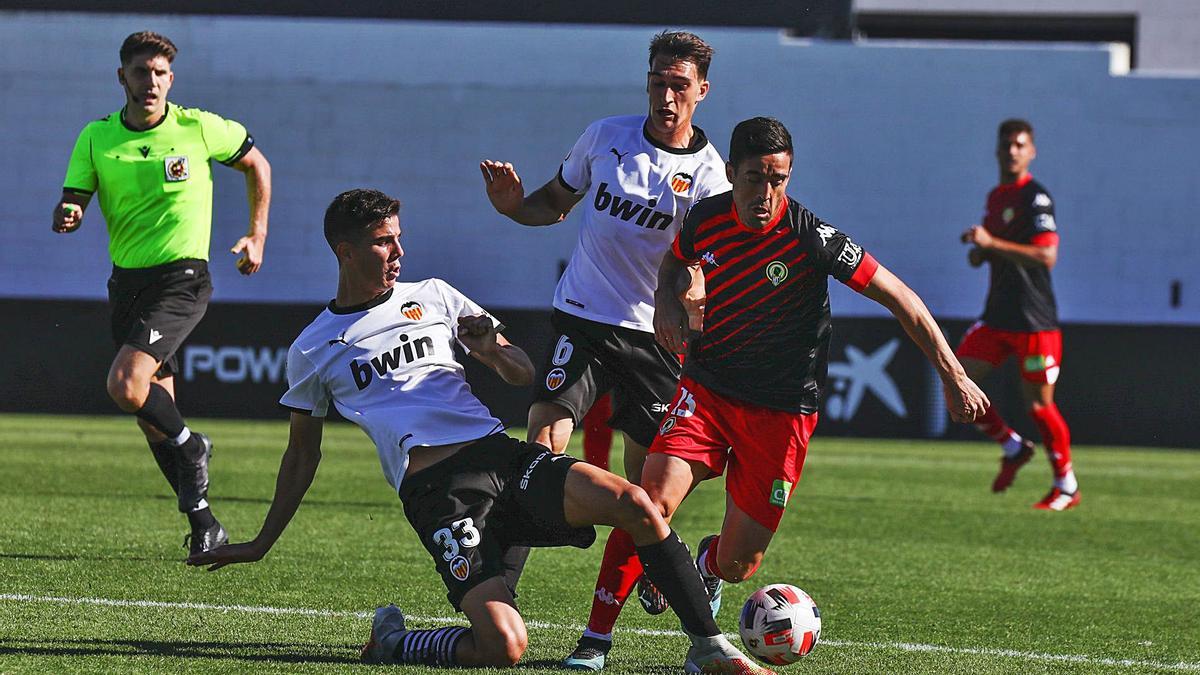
[74, 557]
[278, 652]
[241, 651]
[140, 496]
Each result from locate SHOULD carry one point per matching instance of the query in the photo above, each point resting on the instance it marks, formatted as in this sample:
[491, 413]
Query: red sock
[709, 560]
[619, 571]
[597, 435]
[1055, 436]
[993, 426]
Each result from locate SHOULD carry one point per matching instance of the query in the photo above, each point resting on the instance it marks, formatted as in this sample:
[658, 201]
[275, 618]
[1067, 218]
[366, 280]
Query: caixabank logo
[862, 373]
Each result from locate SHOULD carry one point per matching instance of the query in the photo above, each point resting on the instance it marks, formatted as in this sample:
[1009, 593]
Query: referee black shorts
[493, 494]
[154, 309]
[588, 359]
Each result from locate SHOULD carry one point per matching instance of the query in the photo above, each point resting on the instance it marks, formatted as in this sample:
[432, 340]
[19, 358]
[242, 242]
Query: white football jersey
[389, 367]
[637, 194]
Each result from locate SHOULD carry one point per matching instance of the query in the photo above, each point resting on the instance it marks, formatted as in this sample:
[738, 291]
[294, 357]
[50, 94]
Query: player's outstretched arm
[296, 473]
[1031, 255]
[670, 315]
[964, 399]
[68, 213]
[258, 192]
[547, 205]
[487, 345]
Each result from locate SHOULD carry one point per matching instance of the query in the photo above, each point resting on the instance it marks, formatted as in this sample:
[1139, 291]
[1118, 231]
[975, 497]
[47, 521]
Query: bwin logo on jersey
[860, 373]
[629, 210]
[407, 351]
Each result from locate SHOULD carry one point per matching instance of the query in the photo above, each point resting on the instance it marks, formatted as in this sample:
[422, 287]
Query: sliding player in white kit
[383, 354]
[641, 173]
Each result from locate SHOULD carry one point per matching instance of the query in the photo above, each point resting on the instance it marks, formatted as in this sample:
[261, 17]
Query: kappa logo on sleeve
[826, 232]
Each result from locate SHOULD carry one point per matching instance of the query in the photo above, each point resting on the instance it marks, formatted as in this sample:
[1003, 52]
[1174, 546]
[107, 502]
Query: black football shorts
[588, 359]
[495, 493]
[154, 309]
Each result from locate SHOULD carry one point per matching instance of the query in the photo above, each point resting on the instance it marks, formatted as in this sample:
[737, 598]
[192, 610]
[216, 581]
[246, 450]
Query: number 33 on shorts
[469, 537]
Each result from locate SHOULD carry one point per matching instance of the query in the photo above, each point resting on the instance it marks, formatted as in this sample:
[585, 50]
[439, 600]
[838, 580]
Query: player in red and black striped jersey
[747, 402]
[767, 322]
[1019, 241]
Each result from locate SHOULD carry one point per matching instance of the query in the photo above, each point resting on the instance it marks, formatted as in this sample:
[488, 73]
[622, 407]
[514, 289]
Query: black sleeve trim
[562, 181]
[79, 191]
[247, 145]
[299, 411]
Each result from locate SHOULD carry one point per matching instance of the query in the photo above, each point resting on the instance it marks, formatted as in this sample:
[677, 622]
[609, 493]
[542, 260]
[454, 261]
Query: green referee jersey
[155, 185]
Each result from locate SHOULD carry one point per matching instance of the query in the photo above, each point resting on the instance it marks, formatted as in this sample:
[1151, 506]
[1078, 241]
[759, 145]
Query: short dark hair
[1014, 126]
[147, 42]
[756, 137]
[353, 212]
[682, 46]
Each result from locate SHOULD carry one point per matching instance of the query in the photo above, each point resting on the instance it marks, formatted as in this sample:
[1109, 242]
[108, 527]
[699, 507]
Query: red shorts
[764, 449]
[1039, 353]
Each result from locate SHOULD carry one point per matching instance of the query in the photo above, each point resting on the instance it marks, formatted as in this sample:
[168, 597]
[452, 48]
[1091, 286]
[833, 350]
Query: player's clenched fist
[477, 332]
[67, 218]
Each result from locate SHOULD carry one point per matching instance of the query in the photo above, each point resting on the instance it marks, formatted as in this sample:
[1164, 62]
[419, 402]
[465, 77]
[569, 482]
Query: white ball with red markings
[780, 624]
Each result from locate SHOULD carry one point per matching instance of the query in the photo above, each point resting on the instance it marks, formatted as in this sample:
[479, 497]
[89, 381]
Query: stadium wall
[894, 145]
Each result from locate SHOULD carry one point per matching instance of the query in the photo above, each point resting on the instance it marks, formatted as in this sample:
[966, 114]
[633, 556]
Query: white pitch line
[893, 646]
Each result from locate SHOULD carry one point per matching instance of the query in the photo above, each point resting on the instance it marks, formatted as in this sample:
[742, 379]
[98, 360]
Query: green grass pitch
[916, 566]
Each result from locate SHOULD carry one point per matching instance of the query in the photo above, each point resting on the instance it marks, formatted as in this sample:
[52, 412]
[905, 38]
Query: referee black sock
[159, 410]
[201, 519]
[669, 565]
[435, 647]
[166, 455]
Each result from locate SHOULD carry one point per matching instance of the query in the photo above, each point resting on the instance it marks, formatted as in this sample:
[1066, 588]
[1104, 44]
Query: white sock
[1067, 483]
[588, 633]
[1012, 444]
[182, 437]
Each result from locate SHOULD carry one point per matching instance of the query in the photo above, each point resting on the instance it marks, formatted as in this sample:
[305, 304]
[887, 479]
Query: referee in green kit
[149, 162]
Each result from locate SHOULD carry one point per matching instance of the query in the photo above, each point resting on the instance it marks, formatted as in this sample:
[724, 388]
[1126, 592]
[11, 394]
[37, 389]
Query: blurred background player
[1019, 240]
[383, 354]
[747, 401]
[642, 173]
[149, 162]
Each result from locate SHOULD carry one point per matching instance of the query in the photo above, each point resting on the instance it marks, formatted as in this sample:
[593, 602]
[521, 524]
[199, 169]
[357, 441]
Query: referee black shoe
[193, 472]
[205, 538]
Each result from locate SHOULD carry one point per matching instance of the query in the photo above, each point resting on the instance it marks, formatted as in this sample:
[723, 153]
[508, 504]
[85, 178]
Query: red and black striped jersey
[1021, 297]
[766, 319]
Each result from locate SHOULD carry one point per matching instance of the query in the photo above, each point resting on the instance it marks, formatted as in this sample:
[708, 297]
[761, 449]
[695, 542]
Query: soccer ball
[780, 624]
